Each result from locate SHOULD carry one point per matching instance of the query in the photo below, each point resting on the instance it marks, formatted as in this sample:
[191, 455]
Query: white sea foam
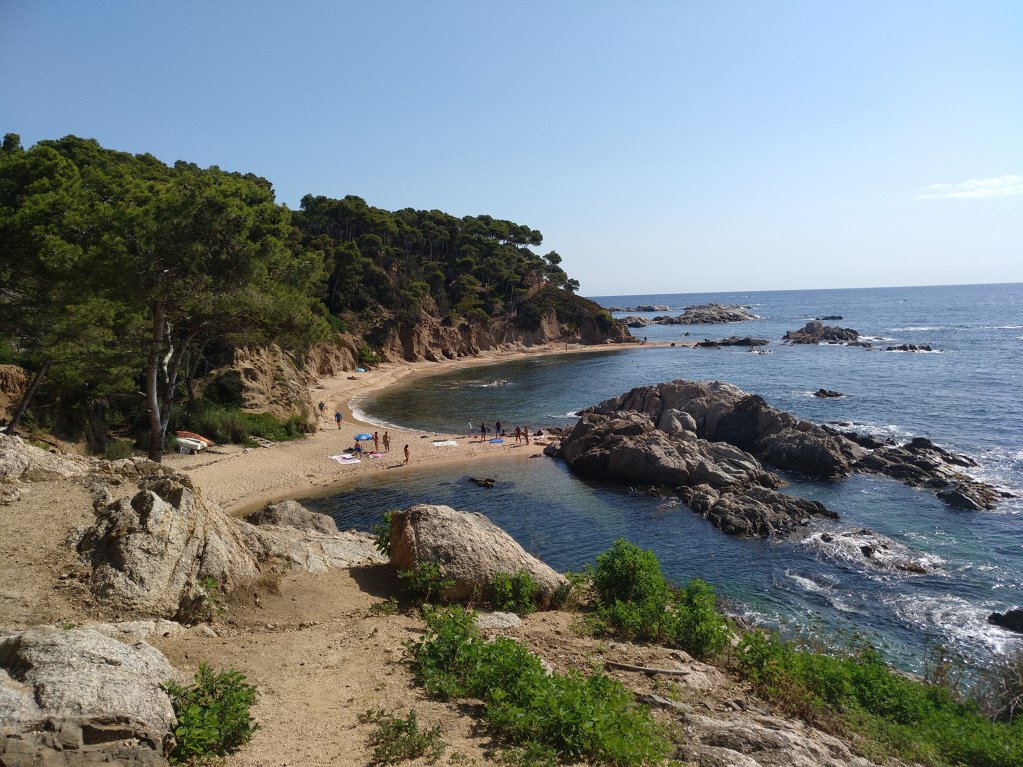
[865, 549]
[917, 328]
[952, 616]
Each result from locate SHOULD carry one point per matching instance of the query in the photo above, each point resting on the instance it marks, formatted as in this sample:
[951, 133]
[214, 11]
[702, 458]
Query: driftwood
[645, 669]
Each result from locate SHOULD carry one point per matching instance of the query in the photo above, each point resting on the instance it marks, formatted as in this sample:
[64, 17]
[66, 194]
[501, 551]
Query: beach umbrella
[362, 436]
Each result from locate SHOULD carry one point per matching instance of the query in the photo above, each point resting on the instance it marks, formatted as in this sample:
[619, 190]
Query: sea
[965, 395]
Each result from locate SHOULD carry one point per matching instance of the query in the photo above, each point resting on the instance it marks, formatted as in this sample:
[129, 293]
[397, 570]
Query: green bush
[636, 602]
[227, 425]
[119, 448]
[213, 714]
[514, 593]
[226, 389]
[903, 717]
[382, 534]
[576, 716]
[425, 583]
[367, 356]
[399, 740]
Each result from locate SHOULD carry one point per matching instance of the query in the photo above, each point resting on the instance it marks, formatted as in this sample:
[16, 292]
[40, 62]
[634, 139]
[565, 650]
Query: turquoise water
[964, 396]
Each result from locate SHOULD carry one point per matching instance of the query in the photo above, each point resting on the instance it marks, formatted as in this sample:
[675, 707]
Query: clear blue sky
[659, 146]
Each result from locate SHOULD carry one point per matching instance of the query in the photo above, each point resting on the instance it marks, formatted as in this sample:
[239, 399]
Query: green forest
[123, 280]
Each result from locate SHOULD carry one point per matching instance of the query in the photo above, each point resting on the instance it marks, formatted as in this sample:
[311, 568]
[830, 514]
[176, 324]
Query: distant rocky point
[640, 308]
[816, 332]
[708, 343]
[910, 348]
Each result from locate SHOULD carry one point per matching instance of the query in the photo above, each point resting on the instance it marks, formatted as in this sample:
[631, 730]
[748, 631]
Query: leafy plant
[426, 582]
[381, 532]
[213, 714]
[913, 720]
[388, 607]
[211, 595]
[514, 593]
[119, 448]
[635, 601]
[399, 740]
[367, 356]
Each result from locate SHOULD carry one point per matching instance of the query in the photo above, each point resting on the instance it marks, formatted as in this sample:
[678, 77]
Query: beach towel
[344, 458]
[495, 441]
[445, 443]
[376, 455]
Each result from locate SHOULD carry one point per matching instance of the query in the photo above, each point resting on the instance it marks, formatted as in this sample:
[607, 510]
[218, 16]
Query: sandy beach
[242, 479]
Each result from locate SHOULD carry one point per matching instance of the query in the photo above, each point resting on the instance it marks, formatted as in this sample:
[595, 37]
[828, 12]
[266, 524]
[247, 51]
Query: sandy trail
[242, 479]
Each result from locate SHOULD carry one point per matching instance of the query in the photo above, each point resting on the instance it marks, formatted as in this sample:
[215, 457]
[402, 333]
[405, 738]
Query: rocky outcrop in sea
[816, 332]
[709, 314]
[711, 440]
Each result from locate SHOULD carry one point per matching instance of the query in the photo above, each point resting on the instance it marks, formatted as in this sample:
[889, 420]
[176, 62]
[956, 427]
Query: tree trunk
[29, 392]
[156, 427]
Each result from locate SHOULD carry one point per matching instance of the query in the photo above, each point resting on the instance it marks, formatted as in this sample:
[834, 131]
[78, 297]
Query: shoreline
[244, 479]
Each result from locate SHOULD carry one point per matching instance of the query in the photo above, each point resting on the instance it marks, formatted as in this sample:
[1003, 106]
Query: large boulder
[155, 554]
[469, 547]
[1011, 620]
[293, 514]
[84, 676]
[21, 461]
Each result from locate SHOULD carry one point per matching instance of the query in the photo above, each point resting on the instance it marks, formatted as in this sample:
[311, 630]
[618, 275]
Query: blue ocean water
[964, 396]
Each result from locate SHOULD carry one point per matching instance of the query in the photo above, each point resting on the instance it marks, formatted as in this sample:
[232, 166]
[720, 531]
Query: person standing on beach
[518, 434]
[469, 433]
[323, 408]
[408, 454]
[483, 432]
[497, 429]
[525, 433]
[376, 442]
[337, 418]
[387, 442]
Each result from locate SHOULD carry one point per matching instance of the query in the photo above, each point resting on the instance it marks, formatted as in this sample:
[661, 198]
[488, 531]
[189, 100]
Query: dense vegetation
[213, 715]
[846, 688]
[124, 280]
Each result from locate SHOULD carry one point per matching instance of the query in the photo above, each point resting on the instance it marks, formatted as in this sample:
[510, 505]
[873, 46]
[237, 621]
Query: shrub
[426, 582]
[636, 602]
[226, 389]
[900, 716]
[367, 356]
[574, 716]
[514, 593]
[213, 714]
[225, 424]
[119, 448]
[382, 534]
[399, 740]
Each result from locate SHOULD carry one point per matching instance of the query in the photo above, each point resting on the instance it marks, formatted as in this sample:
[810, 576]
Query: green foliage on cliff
[573, 716]
[914, 720]
[635, 601]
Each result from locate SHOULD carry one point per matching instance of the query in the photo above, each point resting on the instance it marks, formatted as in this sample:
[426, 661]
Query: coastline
[244, 479]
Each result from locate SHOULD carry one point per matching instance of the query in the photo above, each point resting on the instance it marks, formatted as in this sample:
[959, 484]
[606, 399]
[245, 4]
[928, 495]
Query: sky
[659, 146]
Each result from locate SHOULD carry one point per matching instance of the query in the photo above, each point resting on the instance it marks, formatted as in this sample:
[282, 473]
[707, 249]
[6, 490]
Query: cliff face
[277, 381]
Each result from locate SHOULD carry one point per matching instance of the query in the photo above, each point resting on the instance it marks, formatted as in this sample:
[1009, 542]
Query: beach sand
[243, 479]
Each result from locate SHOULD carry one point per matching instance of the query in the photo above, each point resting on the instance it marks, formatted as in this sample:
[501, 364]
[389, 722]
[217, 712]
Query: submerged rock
[909, 348]
[732, 341]
[827, 394]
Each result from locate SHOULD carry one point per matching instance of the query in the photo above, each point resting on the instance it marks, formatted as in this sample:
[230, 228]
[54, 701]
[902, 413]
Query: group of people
[521, 432]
